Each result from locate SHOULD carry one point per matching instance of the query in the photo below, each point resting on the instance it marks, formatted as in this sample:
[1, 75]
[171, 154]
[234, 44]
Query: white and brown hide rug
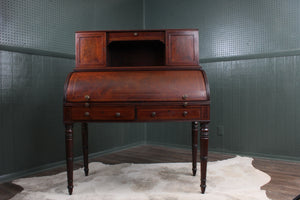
[232, 179]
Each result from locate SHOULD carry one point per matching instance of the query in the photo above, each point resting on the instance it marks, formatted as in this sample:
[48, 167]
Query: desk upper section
[101, 49]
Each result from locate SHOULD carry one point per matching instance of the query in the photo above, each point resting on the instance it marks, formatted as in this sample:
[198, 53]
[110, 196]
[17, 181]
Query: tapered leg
[203, 153]
[84, 132]
[194, 146]
[69, 155]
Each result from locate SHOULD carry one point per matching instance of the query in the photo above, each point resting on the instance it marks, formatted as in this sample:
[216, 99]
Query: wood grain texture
[172, 113]
[90, 49]
[285, 175]
[104, 113]
[136, 85]
[136, 90]
[136, 35]
[98, 49]
[182, 47]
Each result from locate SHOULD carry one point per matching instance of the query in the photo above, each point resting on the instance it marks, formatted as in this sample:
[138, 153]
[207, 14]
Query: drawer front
[168, 114]
[138, 35]
[103, 114]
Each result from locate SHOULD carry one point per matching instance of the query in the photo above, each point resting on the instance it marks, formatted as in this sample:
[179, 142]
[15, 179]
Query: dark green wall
[36, 54]
[257, 103]
[50, 25]
[231, 27]
[250, 51]
[31, 111]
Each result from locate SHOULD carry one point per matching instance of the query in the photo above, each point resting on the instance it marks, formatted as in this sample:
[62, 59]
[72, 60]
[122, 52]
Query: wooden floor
[285, 183]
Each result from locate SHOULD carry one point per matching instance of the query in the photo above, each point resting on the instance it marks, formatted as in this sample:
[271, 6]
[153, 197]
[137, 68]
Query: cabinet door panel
[90, 50]
[182, 47]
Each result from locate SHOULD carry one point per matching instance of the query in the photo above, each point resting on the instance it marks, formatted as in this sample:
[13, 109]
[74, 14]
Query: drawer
[138, 35]
[103, 113]
[149, 114]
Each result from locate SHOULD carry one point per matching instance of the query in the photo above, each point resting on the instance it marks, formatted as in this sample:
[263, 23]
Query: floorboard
[283, 186]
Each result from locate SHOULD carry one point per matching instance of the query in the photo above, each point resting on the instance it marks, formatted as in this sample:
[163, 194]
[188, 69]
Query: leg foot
[203, 186]
[70, 189]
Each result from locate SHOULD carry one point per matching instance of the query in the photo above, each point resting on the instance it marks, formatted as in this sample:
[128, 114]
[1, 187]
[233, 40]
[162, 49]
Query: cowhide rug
[232, 179]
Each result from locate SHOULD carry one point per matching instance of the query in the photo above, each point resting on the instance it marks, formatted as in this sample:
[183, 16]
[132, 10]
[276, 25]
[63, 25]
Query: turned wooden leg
[203, 153]
[84, 132]
[69, 155]
[194, 146]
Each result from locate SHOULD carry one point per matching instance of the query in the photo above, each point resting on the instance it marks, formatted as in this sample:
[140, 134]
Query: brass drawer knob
[184, 97]
[153, 114]
[185, 113]
[87, 97]
[86, 105]
[118, 114]
[185, 104]
[135, 34]
[87, 114]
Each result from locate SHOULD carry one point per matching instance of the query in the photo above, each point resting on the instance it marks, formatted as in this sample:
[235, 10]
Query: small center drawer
[168, 114]
[138, 35]
[103, 113]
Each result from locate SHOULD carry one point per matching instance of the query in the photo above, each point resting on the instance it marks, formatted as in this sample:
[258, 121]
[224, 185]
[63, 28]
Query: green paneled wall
[257, 103]
[31, 110]
[50, 25]
[36, 54]
[31, 127]
[231, 27]
[250, 51]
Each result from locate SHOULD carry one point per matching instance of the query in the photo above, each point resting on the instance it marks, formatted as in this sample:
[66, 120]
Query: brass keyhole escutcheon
[86, 105]
[87, 97]
[135, 34]
[118, 114]
[185, 104]
[153, 114]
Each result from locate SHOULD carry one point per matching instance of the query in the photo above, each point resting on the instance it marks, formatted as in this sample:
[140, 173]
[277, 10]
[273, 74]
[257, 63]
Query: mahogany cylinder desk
[137, 76]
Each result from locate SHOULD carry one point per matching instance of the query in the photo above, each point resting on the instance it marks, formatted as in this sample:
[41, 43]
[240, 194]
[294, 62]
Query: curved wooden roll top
[137, 86]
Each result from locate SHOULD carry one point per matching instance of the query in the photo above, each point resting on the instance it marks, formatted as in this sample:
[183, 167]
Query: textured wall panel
[234, 27]
[31, 118]
[31, 86]
[256, 100]
[257, 103]
[50, 25]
